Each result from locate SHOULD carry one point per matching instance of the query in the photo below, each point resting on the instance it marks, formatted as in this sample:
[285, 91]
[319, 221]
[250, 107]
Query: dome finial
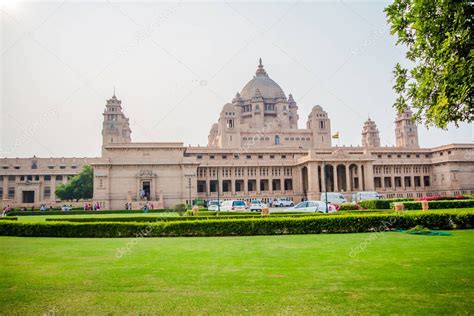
[260, 71]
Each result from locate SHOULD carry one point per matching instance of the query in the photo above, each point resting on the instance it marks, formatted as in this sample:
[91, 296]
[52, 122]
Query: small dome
[268, 88]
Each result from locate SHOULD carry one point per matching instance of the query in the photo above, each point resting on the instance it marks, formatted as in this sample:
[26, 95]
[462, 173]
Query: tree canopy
[79, 187]
[438, 36]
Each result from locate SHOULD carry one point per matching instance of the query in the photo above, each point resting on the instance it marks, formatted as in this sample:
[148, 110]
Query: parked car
[257, 205]
[367, 195]
[333, 197]
[312, 207]
[213, 205]
[233, 205]
[282, 202]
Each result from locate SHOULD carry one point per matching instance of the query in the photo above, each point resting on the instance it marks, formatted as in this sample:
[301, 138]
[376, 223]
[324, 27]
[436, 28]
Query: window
[236, 156]
[51, 167]
[248, 157]
[37, 178]
[73, 167]
[260, 156]
[29, 178]
[47, 192]
[11, 193]
[224, 156]
[277, 140]
[17, 167]
[199, 157]
[59, 178]
[283, 156]
[11, 178]
[34, 165]
[22, 178]
[272, 157]
[211, 157]
[1, 193]
[5, 167]
[62, 167]
[47, 178]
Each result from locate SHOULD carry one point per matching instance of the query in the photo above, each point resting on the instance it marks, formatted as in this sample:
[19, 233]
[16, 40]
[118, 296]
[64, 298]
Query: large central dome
[268, 88]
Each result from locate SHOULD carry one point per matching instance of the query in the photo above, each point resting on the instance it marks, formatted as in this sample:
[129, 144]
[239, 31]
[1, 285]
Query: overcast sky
[174, 66]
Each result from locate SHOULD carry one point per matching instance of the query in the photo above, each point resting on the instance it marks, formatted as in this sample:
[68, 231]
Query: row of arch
[336, 178]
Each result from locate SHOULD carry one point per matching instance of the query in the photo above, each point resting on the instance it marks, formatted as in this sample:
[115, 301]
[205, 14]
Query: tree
[79, 187]
[439, 85]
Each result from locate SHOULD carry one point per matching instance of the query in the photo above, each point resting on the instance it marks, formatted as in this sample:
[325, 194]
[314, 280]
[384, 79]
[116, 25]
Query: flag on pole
[336, 135]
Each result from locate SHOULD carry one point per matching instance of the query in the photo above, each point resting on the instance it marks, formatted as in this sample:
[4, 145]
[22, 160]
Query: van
[233, 205]
[333, 197]
[368, 195]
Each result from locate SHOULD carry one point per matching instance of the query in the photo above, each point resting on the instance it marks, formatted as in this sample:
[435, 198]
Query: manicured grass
[297, 275]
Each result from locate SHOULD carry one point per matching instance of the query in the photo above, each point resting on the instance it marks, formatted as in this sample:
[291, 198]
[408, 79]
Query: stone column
[348, 178]
[323, 179]
[246, 179]
[312, 181]
[369, 176]
[334, 168]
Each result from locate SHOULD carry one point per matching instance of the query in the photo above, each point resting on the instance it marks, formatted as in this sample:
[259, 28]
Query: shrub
[442, 198]
[384, 204]
[245, 226]
[180, 209]
[416, 205]
[348, 206]
[8, 218]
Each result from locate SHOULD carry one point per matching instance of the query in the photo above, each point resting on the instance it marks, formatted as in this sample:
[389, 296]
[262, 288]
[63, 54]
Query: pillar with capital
[348, 178]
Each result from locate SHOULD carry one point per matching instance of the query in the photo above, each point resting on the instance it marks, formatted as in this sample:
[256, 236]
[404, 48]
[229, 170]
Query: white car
[213, 205]
[333, 197]
[257, 205]
[312, 207]
[282, 203]
[368, 195]
[233, 205]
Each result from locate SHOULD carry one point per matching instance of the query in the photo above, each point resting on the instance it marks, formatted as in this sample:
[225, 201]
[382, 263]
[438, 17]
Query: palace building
[255, 151]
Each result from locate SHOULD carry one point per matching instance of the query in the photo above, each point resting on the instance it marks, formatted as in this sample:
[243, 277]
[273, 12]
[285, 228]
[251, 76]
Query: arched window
[277, 140]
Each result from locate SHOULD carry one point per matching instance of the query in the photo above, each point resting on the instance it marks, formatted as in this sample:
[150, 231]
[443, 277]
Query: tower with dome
[262, 115]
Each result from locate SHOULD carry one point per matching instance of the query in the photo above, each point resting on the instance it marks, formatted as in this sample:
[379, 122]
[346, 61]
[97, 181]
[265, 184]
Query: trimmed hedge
[244, 226]
[172, 218]
[441, 204]
[82, 212]
[8, 218]
[384, 204]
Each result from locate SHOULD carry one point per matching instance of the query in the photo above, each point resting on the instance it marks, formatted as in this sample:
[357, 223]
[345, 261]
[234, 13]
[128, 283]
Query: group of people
[146, 207]
[92, 206]
[6, 209]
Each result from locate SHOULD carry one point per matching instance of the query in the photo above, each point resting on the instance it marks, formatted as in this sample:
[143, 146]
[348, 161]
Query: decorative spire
[237, 97]
[260, 71]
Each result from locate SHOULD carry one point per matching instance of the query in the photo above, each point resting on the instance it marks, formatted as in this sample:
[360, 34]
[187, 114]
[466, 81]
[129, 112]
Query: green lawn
[296, 275]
